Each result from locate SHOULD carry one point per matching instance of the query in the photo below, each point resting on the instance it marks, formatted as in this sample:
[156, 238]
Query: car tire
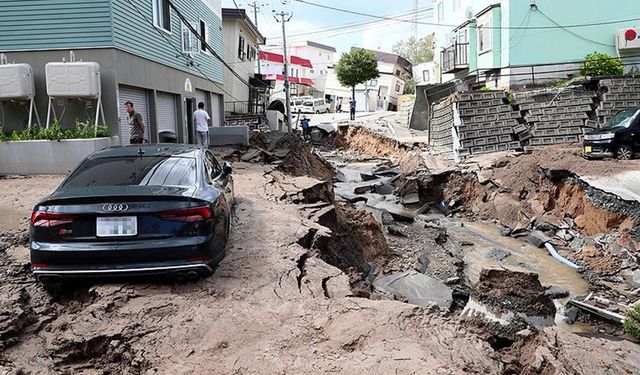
[317, 112]
[624, 152]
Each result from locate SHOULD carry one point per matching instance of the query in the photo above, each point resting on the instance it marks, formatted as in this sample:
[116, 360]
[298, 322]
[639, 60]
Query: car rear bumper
[133, 258]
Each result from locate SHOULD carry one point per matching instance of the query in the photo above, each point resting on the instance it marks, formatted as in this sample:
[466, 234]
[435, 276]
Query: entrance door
[139, 99]
[191, 130]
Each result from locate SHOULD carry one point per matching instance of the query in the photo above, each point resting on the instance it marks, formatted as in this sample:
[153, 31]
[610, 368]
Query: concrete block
[502, 146]
[538, 133]
[480, 141]
[572, 139]
[514, 145]
[519, 128]
[483, 133]
[477, 150]
[505, 138]
[548, 132]
[491, 118]
[490, 148]
[48, 157]
[506, 130]
[228, 135]
[559, 140]
[547, 140]
[535, 141]
[492, 140]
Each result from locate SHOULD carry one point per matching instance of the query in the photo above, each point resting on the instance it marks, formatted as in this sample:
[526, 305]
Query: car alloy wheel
[624, 152]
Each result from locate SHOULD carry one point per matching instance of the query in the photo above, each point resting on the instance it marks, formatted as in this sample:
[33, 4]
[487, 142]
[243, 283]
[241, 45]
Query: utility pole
[284, 18]
[256, 6]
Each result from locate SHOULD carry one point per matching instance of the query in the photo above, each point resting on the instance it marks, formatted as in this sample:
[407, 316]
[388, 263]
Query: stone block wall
[617, 94]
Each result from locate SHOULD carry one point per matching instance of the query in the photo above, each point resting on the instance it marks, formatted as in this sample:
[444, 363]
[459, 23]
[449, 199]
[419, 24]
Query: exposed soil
[284, 299]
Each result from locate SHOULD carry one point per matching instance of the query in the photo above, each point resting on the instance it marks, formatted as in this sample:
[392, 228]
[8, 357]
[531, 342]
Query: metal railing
[455, 58]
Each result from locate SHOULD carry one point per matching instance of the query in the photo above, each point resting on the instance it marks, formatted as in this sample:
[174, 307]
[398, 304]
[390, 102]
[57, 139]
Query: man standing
[136, 125]
[352, 109]
[202, 119]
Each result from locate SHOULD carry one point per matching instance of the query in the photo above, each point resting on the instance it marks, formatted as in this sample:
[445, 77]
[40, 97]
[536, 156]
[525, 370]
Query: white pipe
[555, 254]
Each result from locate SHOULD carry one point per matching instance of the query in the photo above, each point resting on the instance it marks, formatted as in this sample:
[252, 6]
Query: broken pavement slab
[417, 289]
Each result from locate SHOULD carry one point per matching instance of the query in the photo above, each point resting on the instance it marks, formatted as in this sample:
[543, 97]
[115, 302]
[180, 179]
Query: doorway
[191, 131]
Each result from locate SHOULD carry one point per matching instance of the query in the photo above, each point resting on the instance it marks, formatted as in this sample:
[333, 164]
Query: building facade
[377, 94]
[425, 74]
[509, 43]
[320, 56]
[147, 55]
[241, 40]
[272, 70]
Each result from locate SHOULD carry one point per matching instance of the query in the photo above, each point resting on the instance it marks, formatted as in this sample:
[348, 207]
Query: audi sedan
[136, 210]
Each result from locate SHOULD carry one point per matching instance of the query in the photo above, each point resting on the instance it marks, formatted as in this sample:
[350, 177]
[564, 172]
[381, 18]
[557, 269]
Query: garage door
[140, 103]
[203, 96]
[166, 113]
[216, 110]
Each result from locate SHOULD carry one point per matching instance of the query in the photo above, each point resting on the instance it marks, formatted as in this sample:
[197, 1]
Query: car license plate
[123, 226]
[588, 149]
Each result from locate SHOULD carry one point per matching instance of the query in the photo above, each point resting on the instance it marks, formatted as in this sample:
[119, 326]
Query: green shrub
[54, 132]
[601, 64]
[632, 323]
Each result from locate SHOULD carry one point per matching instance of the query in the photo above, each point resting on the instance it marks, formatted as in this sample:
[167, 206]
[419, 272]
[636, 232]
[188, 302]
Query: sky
[309, 21]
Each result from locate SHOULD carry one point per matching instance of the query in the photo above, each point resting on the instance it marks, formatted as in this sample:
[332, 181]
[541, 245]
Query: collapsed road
[368, 257]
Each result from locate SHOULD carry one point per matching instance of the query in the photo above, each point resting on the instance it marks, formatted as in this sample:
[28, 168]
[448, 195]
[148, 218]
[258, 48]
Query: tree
[409, 85]
[356, 67]
[601, 64]
[416, 51]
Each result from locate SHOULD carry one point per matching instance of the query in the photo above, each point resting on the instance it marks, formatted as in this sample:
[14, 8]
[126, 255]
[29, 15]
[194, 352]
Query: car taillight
[188, 215]
[50, 219]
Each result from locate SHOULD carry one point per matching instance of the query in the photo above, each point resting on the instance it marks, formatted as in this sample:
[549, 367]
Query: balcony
[455, 58]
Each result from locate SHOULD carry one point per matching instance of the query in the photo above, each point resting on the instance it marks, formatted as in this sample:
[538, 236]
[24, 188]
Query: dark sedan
[619, 137]
[137, 210]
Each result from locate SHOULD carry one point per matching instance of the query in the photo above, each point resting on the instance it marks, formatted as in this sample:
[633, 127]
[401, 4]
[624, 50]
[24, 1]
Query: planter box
[47, 157]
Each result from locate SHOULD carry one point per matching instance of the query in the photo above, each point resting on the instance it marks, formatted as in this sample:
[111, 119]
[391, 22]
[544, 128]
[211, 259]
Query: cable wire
[573, 33]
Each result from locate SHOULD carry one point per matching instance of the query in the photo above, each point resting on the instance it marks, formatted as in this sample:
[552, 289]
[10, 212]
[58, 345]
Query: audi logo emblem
[115, 207]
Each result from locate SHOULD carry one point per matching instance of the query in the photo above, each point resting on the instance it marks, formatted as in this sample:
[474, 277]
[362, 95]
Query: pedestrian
[339, 105]
[352, 109]
[136, 124]
[306, 128]
[202, 119]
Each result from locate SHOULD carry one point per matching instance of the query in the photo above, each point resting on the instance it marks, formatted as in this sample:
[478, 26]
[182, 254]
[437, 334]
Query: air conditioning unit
[628, 39]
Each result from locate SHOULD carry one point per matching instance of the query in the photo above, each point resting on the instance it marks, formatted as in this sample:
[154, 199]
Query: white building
[378, 94]
[320, 56]
[272, 70]
[425, 73]
[241, 39]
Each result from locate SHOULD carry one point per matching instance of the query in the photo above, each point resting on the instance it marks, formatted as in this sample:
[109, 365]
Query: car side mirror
[226, 168]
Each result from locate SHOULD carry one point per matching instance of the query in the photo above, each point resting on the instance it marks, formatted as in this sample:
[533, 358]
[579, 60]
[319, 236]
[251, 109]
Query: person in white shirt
[202, 120]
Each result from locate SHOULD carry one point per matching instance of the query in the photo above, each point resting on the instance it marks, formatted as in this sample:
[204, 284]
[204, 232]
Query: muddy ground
[293, 295]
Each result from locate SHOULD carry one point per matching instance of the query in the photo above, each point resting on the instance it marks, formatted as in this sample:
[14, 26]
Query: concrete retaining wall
[229, 135]
[47, 157]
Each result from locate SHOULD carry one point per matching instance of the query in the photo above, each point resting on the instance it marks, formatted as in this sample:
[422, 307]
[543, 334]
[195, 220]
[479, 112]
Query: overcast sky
[311, 20]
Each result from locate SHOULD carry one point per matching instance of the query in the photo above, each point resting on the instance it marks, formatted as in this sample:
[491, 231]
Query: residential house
[147, 55]
[425, 73]
[241, 40]
[506, 43]
[321, 57]
[272, 69]
[377, 94]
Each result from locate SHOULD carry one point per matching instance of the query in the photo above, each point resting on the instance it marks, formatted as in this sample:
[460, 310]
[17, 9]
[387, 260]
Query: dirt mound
[291, 154]
[363, 141]
[513, 291]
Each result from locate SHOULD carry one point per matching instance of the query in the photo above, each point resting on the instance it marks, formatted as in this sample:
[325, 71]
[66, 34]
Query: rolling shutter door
[166, 113]
[140, 103]
[216, 109]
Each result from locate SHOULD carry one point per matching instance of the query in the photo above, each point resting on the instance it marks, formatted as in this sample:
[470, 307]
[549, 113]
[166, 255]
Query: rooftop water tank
[16, 82]
[73, 79]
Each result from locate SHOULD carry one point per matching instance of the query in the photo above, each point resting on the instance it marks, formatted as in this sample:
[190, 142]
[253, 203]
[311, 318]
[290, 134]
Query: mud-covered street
[358, 255]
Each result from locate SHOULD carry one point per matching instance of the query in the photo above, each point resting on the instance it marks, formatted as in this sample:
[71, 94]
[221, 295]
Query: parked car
[135, 210]
[619, 137]
[315, 106]
[296, 105]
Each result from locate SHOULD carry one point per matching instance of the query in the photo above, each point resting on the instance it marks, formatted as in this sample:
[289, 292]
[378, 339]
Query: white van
[315, 106]
[296, 104]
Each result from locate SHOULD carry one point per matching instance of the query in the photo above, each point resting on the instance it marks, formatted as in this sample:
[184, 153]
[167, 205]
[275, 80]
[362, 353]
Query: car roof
[166, 150]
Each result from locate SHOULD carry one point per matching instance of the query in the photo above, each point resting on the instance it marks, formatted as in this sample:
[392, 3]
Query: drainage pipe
[555, 254]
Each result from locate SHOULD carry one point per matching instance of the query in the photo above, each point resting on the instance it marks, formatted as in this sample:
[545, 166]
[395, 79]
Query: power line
[450, 25]
[573, 33]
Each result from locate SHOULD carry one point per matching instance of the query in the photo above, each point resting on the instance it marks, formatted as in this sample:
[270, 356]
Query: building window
[297, 73]
[463, 36]
[484, 37]
[440, 12]
[426, 76]
[373, 83]
[397, 72]
[397, 87]
[162, 14]
[241, 53]
[189, 41]
[204, 33]
[311, 71]
[251, 53]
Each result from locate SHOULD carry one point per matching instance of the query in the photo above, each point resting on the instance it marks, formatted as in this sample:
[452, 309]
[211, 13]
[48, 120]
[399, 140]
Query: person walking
[306, 128]
[136, 124]
[202, 120]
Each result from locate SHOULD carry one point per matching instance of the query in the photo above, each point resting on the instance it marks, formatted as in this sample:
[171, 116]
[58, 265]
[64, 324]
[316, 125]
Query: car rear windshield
[131, 171]
[308, 103]
[622, 119]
